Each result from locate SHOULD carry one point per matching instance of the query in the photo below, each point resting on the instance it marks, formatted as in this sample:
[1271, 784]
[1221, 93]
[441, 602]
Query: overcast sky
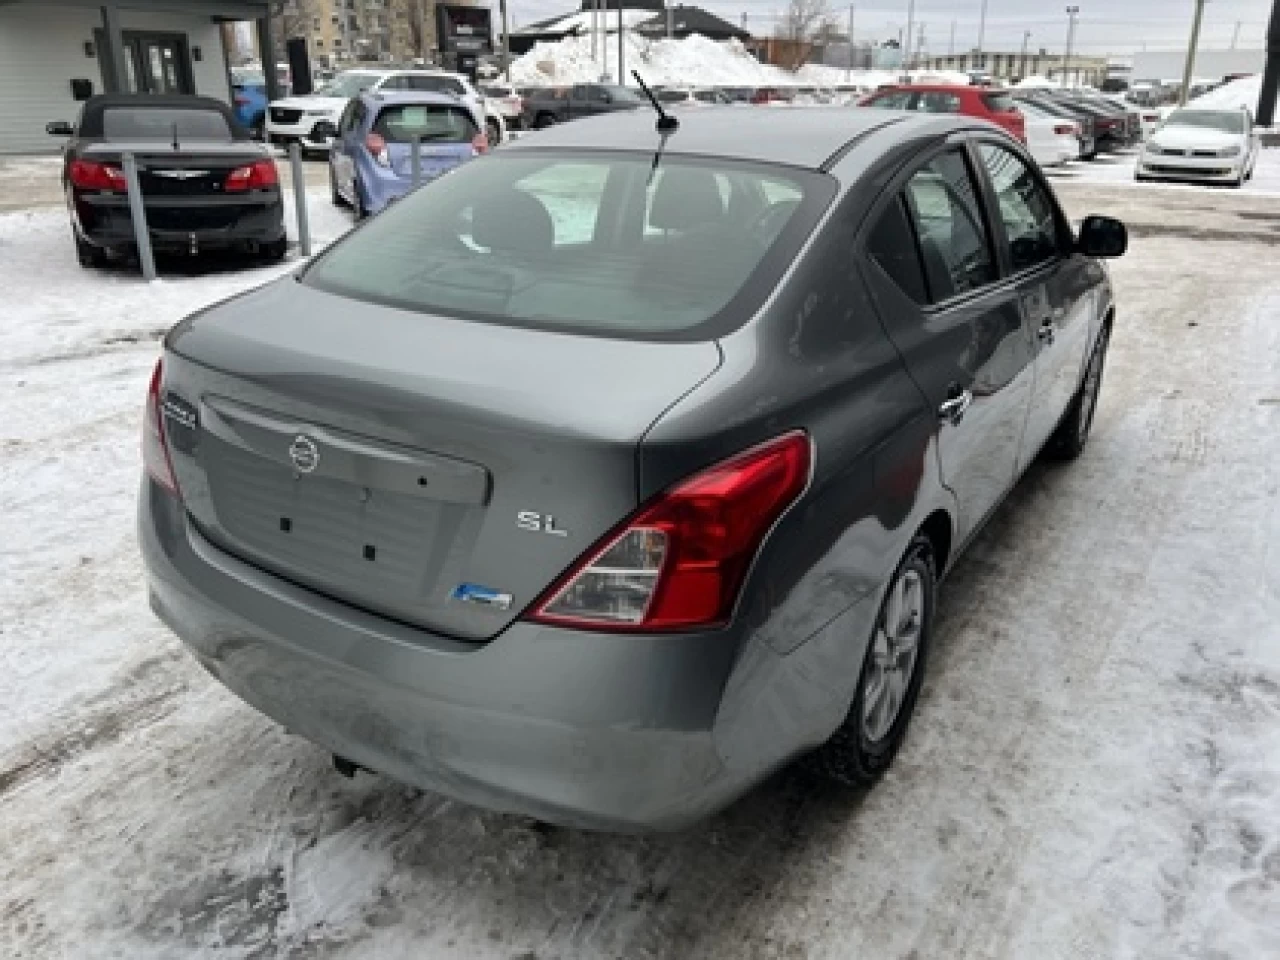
[1104, 26]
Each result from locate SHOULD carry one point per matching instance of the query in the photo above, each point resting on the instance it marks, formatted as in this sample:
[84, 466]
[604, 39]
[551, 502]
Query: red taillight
[1064, 129]
[252, 176]
[155, 449]
[480, 143]
[679, 563]
[92, 175]
[376, 144]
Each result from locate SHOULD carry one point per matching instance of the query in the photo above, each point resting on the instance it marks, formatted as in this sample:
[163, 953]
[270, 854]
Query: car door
[350, 135]
[579, 100]
[932, 269]
[1056, 288]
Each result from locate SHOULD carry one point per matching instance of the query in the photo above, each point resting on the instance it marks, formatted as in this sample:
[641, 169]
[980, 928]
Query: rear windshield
[164, 123]
[436, 84]
[1208, 119]
[999, 102]
[598, 243]
[435, 123]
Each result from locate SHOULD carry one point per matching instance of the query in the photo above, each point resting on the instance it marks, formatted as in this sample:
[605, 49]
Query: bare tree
[804, 20]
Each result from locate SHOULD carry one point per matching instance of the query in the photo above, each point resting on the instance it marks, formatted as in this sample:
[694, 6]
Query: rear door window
[1027, 211]
[999, 102]
[586, 242]
[898, 100]
[892, 245]
[942, 199]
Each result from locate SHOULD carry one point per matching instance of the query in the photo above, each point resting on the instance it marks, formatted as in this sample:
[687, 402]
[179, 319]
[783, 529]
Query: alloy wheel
[895, 647]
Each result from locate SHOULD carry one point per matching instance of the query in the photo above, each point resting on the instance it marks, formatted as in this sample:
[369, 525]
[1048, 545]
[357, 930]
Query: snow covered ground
[1093, 773]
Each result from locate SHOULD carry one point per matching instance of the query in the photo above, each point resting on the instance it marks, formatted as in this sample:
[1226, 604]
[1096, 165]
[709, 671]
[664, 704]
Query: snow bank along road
[1093, 772]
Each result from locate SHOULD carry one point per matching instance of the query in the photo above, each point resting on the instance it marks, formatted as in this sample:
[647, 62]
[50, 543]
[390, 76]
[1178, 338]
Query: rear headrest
[514, 222]
[686, 197]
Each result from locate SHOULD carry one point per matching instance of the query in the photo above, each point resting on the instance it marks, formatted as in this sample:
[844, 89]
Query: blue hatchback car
[371, 159]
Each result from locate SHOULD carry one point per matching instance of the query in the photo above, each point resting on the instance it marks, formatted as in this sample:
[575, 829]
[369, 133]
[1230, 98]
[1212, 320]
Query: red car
[985, 102]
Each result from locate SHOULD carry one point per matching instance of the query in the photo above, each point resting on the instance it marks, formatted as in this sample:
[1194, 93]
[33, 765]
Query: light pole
[1072, 13]
[951, 44]
[1026, 35]
[1191, 53]
[848, 73]
[906, 49]
[982, 36]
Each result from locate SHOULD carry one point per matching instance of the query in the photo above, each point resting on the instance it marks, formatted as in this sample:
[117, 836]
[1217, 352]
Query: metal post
[951, 44]
[138, 214]
[671, 17]
[1026, 35]
[1191, 53]
[622, 70]
[267, 53]
[300, 198]
[595, 30]
[1072, 13]
[415, 160]
[848, 73]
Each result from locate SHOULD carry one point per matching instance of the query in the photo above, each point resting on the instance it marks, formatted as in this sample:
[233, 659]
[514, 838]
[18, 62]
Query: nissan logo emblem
[304, 453]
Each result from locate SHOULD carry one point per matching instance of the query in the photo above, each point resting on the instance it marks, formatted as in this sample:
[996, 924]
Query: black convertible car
[205, 183]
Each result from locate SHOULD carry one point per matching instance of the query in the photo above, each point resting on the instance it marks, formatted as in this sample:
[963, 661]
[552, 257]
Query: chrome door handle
[953, 409]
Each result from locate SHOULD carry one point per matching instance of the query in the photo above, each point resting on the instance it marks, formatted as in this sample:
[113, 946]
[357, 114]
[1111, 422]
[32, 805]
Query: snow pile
[1243, 93]
[694, 59]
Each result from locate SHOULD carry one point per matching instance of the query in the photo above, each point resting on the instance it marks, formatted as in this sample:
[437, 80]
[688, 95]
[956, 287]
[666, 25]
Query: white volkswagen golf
[1220, 146]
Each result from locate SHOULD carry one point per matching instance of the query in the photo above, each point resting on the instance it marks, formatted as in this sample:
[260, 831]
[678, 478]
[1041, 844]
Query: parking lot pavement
[1093, 771]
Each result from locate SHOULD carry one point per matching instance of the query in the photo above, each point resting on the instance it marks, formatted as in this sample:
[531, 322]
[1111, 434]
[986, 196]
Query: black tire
[361, 211]
[1069, 439]
[544, 120]
[493, 131]
[1093, 155]
[334, 195]
[258, 127]
[274, 252]
[90, 256]
[851, 757]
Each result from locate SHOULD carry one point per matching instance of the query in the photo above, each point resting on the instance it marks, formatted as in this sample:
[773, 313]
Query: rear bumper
[173, 222]
[599, 731]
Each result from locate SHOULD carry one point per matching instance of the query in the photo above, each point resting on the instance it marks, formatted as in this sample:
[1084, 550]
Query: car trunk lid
[198, 170]
[435, 470]
[435, 158]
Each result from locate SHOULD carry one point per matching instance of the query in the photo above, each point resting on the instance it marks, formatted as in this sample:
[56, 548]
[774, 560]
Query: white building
[1166, 65]
[54, 53]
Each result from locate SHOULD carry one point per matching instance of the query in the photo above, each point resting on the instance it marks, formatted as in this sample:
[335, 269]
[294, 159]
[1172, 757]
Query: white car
[504, 100]
[1217, 146]
[1051, 141]
[312, 120]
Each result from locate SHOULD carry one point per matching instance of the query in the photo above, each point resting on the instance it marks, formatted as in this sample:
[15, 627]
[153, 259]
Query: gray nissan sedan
[610, 472]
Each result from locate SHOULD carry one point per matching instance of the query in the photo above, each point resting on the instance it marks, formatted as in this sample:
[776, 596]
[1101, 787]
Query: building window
[319, 43]
[315, 23]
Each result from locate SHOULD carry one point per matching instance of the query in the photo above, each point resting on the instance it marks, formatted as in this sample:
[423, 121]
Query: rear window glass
[435, 84]
[432, 123]
[163, 123]
[594, 243]
[999, 102]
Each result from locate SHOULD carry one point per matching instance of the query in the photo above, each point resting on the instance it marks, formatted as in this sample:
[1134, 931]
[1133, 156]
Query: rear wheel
[275, 251]
[889, 683]
[335, 196]
[258, 127]
[1069, 440]
[494, 132]
[544, 120]
[89, 255]
[357, 201]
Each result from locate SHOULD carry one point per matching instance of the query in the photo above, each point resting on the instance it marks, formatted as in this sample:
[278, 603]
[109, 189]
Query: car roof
[803, 137]
[386, 97]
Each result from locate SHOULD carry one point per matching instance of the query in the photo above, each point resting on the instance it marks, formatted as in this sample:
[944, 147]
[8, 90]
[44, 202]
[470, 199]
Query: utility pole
[1236, 35]
[670, 17]
[1072, 13]
[1026, 35]
[595, 30]
[622, 72]
[906, 48]
[982, 36]
[951, 44]
[848, 73]
[1191, 54]
[506, 42]
[920, 51]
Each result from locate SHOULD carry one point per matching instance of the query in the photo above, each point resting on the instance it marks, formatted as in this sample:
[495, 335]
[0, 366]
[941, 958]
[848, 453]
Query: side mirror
[1102, 237]
[58, 128]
